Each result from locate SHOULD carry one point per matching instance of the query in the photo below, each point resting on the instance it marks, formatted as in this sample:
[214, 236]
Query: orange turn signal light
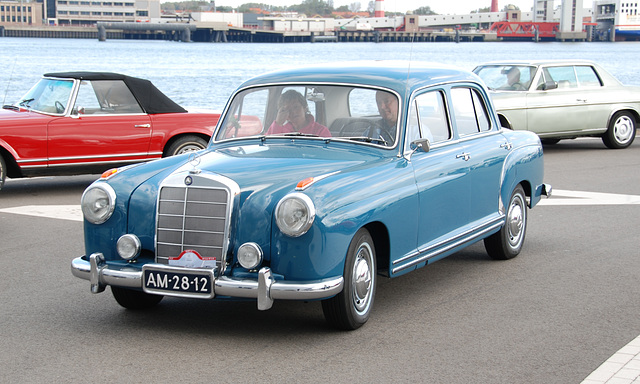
[109, 173]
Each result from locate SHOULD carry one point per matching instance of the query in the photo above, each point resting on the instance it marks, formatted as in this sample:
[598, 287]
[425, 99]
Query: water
[203, 75]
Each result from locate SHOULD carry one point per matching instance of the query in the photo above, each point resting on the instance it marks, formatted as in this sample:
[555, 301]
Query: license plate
[183, 282]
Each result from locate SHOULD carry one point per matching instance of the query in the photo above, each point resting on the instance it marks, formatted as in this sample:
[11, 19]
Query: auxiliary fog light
[128, 246]
[250, 255]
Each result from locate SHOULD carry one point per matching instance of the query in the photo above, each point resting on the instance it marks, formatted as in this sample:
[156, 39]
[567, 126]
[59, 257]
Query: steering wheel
[367, 129]
[377, 132]
[59, 107]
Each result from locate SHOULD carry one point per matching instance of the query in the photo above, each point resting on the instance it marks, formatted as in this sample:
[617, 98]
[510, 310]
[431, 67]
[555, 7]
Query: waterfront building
[20, 13]
[618, 19]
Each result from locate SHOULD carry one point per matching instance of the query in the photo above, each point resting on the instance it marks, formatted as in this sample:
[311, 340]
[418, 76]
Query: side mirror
[549, 85]
[421, 144]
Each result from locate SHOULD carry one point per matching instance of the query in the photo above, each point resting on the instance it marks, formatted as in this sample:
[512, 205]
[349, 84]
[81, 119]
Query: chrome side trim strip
[447, 245]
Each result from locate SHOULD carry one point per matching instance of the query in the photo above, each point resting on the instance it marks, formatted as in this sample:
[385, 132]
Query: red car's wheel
[186, 144]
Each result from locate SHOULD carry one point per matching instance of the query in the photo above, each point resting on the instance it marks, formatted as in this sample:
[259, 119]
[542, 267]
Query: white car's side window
[587, 76]
[564, 76]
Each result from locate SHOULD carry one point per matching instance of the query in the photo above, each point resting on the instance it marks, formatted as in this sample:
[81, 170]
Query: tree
[426, 10]
[354, 7]
[482, 10]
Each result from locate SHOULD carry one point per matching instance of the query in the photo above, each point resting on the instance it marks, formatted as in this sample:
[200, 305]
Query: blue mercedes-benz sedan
[317, 182]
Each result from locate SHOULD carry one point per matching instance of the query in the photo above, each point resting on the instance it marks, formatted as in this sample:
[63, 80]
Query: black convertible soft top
[151, 99]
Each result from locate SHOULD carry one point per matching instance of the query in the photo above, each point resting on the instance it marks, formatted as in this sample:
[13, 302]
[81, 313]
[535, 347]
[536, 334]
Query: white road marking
[64, 212]
[559, 197]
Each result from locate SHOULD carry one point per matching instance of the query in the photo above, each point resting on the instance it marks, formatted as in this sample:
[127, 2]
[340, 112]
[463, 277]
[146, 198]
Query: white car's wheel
[621, 132]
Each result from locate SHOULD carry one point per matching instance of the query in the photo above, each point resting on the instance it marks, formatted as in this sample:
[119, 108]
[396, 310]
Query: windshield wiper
[366, 139]
[12, 107]
[299, 134]
[25, 102]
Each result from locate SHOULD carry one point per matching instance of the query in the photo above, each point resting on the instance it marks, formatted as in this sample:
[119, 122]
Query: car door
[106, 125]
[560, 109]
[439, 174]
[484, 152]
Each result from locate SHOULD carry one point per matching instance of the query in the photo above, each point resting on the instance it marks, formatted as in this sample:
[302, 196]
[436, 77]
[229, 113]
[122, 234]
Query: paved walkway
[621, 368]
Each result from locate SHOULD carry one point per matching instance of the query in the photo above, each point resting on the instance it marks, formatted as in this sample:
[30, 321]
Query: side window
[587, 76]
[87, 102]
[115, 97]
[432, 117]
[481, 111]
[470, 113]
[564, 76]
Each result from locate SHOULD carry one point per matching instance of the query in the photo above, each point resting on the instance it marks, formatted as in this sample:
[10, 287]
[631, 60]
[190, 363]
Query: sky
[439, 6]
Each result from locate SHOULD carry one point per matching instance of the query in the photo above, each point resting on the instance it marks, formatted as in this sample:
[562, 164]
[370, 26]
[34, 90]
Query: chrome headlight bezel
[295, 214]
[98, 203]
[250, 255]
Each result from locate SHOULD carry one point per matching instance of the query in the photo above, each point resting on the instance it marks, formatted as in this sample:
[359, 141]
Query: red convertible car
[87, 122]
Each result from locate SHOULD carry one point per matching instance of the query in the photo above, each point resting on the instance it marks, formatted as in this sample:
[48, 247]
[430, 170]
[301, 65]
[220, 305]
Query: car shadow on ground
[242, 319]
[46, 185]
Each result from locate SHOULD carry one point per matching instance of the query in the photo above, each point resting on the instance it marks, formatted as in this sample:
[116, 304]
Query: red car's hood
[8, 115]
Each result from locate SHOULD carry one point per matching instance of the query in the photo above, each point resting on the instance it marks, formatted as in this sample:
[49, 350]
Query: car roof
[151, 99]
[400, 76]
[539, 62]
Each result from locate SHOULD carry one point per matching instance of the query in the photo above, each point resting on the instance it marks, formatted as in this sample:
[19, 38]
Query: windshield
[506, 77]
[48, 96]
[316, 111]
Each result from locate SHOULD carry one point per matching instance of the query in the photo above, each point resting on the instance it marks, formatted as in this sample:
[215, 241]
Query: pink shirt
[312, 128]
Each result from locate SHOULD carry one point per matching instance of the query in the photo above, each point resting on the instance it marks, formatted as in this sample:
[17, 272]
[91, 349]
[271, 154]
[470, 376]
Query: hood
[22, 114]
[264, 172]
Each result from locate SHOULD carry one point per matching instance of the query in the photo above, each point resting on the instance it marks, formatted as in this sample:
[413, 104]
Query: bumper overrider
[265, 288]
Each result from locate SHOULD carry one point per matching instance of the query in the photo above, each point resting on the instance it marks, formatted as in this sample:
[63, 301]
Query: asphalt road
[551, 315]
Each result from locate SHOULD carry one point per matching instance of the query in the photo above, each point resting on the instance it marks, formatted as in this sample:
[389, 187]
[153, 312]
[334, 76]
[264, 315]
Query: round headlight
[295, 214]
[128, 246]
[98, 202]
[249, 255]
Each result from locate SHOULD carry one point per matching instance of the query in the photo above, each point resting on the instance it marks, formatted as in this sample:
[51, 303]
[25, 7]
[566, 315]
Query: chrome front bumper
[265, 289]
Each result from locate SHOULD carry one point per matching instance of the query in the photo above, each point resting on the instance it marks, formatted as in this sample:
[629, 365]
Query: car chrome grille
[191, 218]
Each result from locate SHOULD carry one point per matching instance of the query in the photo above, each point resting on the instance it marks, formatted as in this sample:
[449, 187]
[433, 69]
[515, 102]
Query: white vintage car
[563, 100]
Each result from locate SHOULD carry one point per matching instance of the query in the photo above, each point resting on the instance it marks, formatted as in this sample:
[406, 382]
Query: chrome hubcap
[189, 148]
[623, 129]
[516, 221]
[362, 279]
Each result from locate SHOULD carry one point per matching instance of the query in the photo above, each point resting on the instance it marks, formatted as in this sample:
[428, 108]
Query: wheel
[351, 308]
[186, 144]
[621, 132]
[132, 299]
[507, 243]
[3, 171]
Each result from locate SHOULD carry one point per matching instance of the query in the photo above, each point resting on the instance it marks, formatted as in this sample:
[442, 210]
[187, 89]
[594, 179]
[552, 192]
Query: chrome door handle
[506, 145]
[142, 126]
[464, 156]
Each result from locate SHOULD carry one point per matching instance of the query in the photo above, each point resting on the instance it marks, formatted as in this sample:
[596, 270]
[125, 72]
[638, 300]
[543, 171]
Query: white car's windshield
[48, 96]
[506, 77]
[323, 111]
